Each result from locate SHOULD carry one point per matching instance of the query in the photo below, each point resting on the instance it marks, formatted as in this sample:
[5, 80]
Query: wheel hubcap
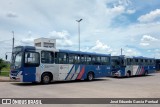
[90, 76]
[46, 79]
[146, 73]
[127, 74]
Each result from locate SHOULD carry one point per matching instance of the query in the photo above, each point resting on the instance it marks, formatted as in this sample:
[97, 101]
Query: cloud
[144, 44]
[120, 7]
[131, 52]
[156, 53]
[119, 13]
[131, 11]
[59, 35]
[27, 41]
[11, 15]
[146, 40]
[101, 47]
[62, 38]
[117, 10]
[150, 17]
[125, 2]
[149, 50]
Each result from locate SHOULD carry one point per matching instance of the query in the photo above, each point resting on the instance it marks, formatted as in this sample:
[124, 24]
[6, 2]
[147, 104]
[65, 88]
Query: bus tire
[46, 78]
[90, 76]
[145, 73]
[128, 74]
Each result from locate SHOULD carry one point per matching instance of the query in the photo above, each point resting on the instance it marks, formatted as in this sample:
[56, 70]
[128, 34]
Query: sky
[107, 25]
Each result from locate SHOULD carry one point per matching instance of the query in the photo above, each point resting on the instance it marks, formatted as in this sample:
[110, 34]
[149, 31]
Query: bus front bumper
[17, 77]
[116, 74]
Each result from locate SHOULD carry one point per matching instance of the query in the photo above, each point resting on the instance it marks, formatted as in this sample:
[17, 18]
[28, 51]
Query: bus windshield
[115, 63]
[17, 60]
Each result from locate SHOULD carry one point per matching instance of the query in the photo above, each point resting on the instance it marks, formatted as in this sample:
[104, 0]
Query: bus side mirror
[6, 57]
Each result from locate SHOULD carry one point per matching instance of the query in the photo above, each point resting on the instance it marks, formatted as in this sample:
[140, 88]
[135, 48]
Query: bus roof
[61, 50]
[141, 57]
[22, 48]
[138, 57]
[86, 53]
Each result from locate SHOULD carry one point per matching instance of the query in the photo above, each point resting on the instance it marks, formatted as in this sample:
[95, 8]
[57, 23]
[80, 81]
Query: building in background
[45, 42]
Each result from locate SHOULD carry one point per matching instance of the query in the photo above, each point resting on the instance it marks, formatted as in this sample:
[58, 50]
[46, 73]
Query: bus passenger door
[32, 60]
[122, 67]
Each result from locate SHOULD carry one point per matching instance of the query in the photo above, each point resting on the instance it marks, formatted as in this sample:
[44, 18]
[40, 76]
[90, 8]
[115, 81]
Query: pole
[79, 31]
[121, 51]
[12, 46]
[12, 41]
[79, 34]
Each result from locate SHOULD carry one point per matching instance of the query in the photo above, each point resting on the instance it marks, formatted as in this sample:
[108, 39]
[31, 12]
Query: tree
[2, 64]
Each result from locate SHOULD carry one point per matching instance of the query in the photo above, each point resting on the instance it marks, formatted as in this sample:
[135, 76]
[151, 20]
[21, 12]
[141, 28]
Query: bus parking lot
[134, 87]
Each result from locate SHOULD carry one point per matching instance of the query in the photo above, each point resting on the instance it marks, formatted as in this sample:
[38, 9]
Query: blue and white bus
[40, 64]
[130, 66]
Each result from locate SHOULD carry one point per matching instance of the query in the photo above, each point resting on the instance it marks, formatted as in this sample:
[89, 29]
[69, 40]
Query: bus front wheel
[128, 74]
[90, 76]
[46, 78]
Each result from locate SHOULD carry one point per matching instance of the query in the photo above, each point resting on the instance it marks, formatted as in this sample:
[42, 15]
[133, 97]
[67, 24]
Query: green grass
[6, 69]
[6, 74]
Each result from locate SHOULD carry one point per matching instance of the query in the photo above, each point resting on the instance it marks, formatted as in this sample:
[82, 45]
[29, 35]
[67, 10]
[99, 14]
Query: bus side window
[142, 60]
[150, 62]
[82, 58]
[145, 62]
[131, 61]
[105, 60]
[88, 59]
[93, 60]
[98, 61]
[47, 57]
[71, 58]
[62, 58]
[154, 62]
[56, 58]
[76, 59]
[128, 61]
[102, 60]
[139, 61]
[136, 61]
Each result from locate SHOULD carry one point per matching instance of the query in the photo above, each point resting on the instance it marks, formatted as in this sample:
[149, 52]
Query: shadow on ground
[58, 82]
[136, 76]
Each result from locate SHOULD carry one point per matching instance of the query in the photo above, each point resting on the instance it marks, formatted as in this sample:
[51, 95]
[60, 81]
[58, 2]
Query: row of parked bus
[37, 64]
